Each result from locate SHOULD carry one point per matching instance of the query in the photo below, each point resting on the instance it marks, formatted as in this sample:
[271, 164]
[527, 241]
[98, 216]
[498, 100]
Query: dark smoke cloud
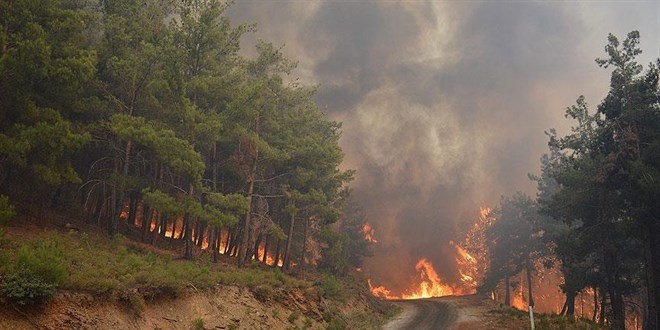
[444, 104]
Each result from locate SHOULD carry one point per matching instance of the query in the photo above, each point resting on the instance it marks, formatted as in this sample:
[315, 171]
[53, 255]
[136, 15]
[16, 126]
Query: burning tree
[514, 244]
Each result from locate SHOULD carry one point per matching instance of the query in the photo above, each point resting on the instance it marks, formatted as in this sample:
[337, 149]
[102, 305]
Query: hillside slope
[123, 284]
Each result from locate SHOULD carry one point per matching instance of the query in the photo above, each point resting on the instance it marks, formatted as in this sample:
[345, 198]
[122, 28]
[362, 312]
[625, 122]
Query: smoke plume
[444, 104]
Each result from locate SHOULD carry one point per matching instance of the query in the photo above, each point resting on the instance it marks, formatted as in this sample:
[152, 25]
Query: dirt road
[431, 313]
[470, 312]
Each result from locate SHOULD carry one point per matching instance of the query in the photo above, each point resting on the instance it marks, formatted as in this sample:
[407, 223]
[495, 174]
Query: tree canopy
[147, 116]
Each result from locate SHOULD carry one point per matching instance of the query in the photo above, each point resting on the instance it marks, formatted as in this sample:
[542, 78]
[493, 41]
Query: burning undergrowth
[424, 281]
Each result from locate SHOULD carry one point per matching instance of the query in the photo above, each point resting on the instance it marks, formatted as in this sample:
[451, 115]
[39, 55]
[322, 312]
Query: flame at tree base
[430, 285]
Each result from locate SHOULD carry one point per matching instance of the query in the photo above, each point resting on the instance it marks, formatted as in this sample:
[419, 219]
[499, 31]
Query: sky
[444, 104]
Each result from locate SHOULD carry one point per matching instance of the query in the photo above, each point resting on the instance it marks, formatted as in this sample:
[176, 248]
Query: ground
[225, 307]
[474, 312]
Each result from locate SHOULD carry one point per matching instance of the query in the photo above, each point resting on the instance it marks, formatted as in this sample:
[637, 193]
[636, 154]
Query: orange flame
[484, 211]
[470, 269]
[269, 258]
[518, 302]
[430, 285]
[467, 267]
[369, 233]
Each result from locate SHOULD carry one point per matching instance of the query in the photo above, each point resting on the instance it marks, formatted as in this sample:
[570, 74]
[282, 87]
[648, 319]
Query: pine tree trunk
[188, 225]
[264, 258]
[276, 259]
[255, 251]
[652, 275]
[242, 252]
[228, 241]
[289, 239]
[215, 234]
[618, 318]
[507, 292]
[98, 207]
[570, 304]
[593, 317]
[119, 202]
[530, 296]
[147, 218]
[304, 246]
[603, 303]
[132, 210]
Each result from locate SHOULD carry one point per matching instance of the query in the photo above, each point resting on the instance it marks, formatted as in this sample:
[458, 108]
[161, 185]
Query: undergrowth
[34, 267]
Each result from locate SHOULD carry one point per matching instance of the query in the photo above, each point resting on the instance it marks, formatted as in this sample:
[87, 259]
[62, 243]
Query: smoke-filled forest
[596, 211]
[154, 122]
[143, 116]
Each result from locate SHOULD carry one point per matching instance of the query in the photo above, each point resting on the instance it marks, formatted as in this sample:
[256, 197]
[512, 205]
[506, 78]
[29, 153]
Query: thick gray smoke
[444, 104]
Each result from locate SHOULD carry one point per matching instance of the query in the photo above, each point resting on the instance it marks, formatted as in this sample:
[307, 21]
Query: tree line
[597, 210]
[145, 117]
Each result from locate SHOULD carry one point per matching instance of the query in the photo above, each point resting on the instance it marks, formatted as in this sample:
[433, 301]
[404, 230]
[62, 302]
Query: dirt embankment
[225, 307]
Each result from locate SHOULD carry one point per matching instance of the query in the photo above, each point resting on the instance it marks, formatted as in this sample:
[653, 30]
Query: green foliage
[117, 268]
[24, 287]
[263, 293]
[307, 323]
[331, 287]
[32, 277]
[294, 316]
[344, 248]
[133, 300]
[198, 324]
[163, 142]
[337, 324]
[514, 240]
[599, 184]
[44, 66]
[154, 103]
[163, 202]
[7, 211]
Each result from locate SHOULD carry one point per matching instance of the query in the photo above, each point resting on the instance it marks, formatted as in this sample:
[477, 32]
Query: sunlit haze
[444, 104]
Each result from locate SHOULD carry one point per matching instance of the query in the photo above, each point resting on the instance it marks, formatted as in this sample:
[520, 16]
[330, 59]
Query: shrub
[32, 278]
[308, 323]
[336, 324]
[133, 300]
[46, 260]
[331, 287]
[263, 293]
[24, 287]
[7, 211]
[198, 324]
[293, 316]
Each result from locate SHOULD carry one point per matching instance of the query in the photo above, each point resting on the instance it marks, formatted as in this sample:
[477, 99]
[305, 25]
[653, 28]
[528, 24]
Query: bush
[133, 300]
[198, 324]
[32, 278]
[24, 287]
[336, 324]
[263, 293]
[331, 287]
[293, 316]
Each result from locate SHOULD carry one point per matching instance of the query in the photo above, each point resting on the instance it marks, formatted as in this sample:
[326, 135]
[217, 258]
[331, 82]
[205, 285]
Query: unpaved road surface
[470, 312]
[422, 314]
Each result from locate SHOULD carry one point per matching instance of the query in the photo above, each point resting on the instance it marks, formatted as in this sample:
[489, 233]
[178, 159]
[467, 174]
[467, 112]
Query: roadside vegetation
[594, 220]
[173, 155]
[37, 263]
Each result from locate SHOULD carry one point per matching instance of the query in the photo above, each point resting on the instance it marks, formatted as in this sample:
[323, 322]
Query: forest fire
[430, 285]
[427, 283]
[369, 233]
